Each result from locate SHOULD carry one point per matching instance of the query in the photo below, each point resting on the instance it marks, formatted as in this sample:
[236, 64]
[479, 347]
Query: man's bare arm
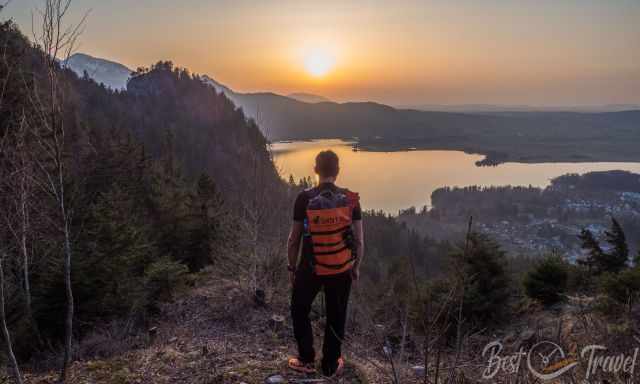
[293, 248]
[358, 233]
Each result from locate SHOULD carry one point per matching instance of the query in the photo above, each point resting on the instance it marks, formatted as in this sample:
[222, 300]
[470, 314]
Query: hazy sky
[538, 52]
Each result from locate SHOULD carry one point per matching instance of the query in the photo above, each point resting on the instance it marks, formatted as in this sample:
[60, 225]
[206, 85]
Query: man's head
[327, 164]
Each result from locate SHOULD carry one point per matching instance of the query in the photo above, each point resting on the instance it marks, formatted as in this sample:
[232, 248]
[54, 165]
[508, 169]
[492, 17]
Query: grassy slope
[212, 334]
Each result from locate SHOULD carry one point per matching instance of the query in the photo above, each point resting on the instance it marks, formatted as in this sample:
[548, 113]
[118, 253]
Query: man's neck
[325, 180]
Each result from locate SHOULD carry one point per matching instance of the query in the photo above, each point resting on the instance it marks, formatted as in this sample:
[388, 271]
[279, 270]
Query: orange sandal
[299, 366]
[340, 367]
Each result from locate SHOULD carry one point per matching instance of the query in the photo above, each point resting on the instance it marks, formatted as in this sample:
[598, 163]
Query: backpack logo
[332, 220]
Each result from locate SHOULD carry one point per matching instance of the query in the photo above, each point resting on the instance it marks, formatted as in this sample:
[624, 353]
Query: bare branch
[5, 331]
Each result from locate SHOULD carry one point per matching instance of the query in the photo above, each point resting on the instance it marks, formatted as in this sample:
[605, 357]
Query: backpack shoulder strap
[353, 197]
[311, 192]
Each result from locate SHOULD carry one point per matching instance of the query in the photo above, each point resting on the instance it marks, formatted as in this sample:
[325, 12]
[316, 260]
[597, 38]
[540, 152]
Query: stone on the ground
[418, 370]
[277, 323]
[276, 319]
[274, 379]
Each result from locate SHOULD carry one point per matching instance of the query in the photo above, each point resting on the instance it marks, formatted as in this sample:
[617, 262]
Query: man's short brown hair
[327, 164]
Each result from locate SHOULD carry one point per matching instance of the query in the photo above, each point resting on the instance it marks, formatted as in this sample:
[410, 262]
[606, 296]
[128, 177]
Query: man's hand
[355, 273]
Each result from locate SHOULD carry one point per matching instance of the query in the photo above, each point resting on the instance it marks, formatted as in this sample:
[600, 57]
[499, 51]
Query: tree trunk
[5, 330]
[463, 286]
[27, 285]
[25, 256]
[25, 266]
[403, 340]
[69, 292]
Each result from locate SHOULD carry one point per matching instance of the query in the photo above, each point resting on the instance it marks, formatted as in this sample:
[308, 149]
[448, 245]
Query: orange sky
[560, 52]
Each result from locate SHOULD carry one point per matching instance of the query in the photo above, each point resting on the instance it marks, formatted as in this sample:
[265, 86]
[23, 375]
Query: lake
[391, 181]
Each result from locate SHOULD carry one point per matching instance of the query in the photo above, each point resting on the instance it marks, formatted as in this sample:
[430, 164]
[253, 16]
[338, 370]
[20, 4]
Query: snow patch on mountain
[218, 86]
[111, 74]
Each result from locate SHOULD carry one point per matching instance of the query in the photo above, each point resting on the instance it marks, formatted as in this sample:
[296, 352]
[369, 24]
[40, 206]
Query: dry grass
[213, 334]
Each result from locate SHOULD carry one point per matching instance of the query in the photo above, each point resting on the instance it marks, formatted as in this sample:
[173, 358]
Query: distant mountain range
[111, 74]
[308, 98]
[516, 134]
[496, 108]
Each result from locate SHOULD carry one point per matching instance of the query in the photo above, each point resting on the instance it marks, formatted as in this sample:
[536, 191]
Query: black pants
[336, 293]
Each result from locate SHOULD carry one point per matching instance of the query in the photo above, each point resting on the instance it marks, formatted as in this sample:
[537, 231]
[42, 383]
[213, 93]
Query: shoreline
[496, 154]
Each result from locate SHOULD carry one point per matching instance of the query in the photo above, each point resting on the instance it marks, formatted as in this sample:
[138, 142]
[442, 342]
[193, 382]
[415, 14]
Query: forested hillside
[134, 189]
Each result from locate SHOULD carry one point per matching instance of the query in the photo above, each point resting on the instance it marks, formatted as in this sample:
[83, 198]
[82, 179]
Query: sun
[319, 62]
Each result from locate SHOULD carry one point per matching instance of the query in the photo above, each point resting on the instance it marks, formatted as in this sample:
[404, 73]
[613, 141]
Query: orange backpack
[328, 229]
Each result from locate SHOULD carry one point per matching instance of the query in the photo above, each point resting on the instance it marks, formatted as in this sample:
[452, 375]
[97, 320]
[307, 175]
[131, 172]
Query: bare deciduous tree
[57, 42]
[463, 285]
[260, 222]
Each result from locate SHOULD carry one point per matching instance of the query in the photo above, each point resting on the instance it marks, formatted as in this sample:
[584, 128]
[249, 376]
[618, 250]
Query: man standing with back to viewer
[327, 222]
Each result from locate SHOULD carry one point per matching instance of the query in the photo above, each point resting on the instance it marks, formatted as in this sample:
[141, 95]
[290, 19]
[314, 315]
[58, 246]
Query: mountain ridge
[521, 136]
[308, 97]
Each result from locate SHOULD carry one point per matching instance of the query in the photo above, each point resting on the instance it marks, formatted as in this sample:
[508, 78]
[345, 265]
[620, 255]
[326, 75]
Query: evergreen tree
[206, 227]
[595, 255]
[618, 258]
[548, 280]
[116, 249]
[600, 261]
[169, 200]
[483, 271]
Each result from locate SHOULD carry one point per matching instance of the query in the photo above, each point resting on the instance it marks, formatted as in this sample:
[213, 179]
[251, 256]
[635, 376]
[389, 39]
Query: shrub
[162, 278]
[547, 281]
[581, 280]
[484, 270]
[623, 287]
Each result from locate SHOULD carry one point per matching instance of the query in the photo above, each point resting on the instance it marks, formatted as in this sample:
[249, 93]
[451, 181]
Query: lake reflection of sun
[319, 62]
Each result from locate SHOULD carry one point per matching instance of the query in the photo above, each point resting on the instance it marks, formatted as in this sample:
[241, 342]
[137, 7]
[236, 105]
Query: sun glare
[318, 62]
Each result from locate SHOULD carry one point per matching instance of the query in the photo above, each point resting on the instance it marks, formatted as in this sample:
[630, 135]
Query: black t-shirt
[300, 206]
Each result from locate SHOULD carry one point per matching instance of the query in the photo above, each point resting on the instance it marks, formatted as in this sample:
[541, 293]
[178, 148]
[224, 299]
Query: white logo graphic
[546, 361]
